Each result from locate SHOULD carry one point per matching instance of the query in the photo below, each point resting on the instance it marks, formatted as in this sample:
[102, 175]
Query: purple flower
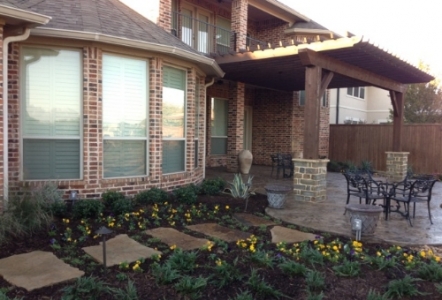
[52, 241]
[352, 252]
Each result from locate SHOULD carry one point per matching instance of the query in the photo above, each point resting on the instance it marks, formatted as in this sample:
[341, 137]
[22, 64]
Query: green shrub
[59, 209]
[334, 166]
[122, 206]
[186, 194]
[86, 288]
[109, 197]
[87, 208]
[152, 196]
[400, 288]
[212, 186]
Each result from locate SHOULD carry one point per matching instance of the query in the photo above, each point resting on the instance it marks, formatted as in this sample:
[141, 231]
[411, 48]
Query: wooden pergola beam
[397, 100]
[311, 58]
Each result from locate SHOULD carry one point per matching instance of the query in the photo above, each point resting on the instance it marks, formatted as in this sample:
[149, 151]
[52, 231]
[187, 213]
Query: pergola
[315, 67]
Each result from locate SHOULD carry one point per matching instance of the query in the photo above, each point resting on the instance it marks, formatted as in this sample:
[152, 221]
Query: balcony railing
[207, 38]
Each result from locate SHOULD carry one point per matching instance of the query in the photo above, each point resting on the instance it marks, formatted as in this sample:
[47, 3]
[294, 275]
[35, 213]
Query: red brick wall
[239, 22]
[235, 127]
[272, 31]
[93, 184]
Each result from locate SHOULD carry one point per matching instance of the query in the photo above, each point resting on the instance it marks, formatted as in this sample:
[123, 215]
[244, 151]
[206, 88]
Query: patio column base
[309, 179]
[397, 165]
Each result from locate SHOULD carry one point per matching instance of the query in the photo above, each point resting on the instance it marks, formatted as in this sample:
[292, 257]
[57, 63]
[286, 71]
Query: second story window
[358, 92]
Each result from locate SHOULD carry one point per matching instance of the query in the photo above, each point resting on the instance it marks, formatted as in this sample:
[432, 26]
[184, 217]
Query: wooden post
[397, 99]
[313, 76]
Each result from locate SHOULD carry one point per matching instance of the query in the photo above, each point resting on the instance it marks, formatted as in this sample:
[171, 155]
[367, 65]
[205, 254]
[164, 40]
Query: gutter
[23, 15]
[205, 125]
[6, 42]
[209, 65]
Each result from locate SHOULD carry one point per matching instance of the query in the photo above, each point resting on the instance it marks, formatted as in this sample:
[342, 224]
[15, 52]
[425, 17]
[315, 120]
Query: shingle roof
[109, 17]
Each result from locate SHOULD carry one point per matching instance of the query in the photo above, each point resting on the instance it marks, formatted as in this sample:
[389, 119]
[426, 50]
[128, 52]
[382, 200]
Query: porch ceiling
[282, 69]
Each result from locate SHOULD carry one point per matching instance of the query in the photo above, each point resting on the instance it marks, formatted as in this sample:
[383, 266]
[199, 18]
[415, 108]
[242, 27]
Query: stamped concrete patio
[328, 216]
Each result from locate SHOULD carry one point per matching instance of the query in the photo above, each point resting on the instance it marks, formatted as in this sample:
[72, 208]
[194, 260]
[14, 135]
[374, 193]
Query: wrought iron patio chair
[285, 163]
[408, 192]
[363, 186]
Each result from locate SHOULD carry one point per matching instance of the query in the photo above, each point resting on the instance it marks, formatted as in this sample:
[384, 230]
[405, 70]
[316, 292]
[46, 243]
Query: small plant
[87, 208]
[292, 268]
[129, 293]
[431, 272]
[348, 269]
[373, 295]
[315, 281]
[183, 261]
[191, 287]
[313, 296]
[86, 288]
[186, 194]
[59, 209]
[226, 273]
[164, 274]
[241, 190]
[243, 295]
[212, 186]
[366, 166]
[152, 196]
[121, 276]
[404, 287]
[262, 258]
[260, 287]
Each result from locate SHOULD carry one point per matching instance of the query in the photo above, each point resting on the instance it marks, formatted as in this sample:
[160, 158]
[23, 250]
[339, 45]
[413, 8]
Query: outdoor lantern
[103, 231]
[73, 196]
[356, 225]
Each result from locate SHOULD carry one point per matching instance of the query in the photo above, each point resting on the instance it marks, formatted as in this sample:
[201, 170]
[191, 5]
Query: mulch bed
[293, 288]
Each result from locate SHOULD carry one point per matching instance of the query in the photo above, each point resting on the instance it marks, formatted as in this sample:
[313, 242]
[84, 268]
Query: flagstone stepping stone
[220, 232]
[172, 236]
[119, 249]
[284, 234]
[36, 269]
[252, 220]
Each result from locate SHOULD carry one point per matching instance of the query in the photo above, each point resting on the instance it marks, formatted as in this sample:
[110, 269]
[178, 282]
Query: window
[197, 117]
[301, 96]
[223, 33]
[219, 115]
[358, 92]
[174, 136]
[51, 110]
[124, 116]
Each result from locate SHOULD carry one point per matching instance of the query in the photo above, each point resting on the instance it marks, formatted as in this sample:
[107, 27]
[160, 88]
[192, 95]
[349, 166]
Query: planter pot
[245, 159]
[368, 214]
[276, 195]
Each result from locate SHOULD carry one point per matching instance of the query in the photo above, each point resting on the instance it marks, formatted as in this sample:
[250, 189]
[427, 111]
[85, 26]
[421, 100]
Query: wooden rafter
[311, 58]
[394, 103]
[326, 79]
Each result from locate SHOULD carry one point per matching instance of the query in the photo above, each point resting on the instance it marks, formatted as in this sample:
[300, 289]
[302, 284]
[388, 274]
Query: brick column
[235, 126]
[397, 165]
[92, 118]
[165, 15]
[309, 179]
[155, 119]
[239, 22]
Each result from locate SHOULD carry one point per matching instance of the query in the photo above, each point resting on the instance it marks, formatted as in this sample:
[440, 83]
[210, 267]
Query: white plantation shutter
[124, 116]
[174, 87]
[51, 108]
[219, 115]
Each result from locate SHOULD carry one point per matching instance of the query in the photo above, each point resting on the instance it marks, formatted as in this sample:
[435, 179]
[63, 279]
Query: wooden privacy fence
[370, 142]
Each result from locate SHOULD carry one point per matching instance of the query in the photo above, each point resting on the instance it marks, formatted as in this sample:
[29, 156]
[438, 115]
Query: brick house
[155, 91]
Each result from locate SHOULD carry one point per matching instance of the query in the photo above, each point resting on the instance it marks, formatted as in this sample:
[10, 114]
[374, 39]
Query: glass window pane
[186, 27]
[362, 93]
[173, 156]
[219, 116]
[125, 97]
[52, 92]
[124, 158]
[173, 113]
[219, 146]
[301, 98]
[203, 33]
[51, 159]
[356, 92]
[350, 91]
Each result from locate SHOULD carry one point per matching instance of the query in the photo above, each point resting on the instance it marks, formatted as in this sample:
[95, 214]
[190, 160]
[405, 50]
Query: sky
[409, 29]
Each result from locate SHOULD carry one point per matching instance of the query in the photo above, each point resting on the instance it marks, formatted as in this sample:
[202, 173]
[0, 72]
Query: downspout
[337, 106]
[205, 125]
[6, 42]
